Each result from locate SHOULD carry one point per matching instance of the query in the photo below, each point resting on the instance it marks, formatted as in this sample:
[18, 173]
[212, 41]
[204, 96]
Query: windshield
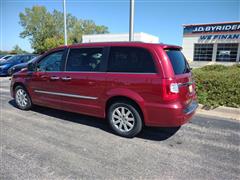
[178, 61]
[12, 59]
[4, 58]
[7, 57]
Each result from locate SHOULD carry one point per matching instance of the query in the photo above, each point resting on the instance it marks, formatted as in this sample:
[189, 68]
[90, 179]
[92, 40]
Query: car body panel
[88, 90]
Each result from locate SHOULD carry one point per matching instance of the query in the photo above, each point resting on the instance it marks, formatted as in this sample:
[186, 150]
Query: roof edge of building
[115, 34]
[218, 23]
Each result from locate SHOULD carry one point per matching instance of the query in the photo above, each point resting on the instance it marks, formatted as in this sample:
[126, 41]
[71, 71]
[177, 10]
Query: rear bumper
[169, 115]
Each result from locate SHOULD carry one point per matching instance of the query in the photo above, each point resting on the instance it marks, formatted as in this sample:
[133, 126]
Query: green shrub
[218, 85]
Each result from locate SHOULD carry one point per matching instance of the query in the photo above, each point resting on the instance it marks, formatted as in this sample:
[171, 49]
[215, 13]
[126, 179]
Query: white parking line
[4, 90]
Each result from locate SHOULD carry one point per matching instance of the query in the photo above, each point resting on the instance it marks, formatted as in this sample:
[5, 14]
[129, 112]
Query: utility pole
[131, 21]
[65, 22]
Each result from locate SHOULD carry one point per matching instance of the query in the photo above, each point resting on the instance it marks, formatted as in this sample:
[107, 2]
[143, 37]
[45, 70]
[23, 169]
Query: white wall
[188, 48]
[197, 64]
[142, 37]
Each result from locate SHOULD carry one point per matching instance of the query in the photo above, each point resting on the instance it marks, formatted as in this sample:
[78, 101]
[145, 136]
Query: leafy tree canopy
[45, 30]
[16, 50]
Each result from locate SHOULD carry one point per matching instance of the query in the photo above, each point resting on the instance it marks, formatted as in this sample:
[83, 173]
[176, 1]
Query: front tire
[125, 119]
[22, 98]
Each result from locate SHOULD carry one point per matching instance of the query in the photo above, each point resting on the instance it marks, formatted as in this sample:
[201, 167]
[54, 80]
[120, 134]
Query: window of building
[227, 52]
[203, 52]
[131, 60]
[84, 59]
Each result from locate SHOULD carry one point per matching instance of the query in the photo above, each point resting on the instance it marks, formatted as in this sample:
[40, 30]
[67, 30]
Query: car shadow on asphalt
[149, 133]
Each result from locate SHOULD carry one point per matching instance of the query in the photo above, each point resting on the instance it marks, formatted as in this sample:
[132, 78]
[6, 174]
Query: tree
[38, 25]
[53, 42]
[45, 30]
[3, 52]
[17, 50]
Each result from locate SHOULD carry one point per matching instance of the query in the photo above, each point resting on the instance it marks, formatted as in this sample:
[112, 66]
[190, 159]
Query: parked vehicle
[20, 66]
[5, 57]
[17, 59]
[131, 84]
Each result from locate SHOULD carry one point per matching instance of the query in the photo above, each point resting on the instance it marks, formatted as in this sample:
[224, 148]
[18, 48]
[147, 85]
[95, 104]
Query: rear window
[178, 61]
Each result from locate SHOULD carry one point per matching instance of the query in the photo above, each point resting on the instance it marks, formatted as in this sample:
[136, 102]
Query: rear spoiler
[172, 47]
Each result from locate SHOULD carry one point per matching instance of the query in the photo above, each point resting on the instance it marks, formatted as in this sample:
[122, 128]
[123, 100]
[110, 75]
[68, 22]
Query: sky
[162, 18]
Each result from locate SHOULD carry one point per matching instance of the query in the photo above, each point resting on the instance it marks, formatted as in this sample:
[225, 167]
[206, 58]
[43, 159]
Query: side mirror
[31, 66]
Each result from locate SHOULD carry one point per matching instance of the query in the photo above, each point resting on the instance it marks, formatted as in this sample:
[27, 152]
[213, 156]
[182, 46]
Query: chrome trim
[185, 84]
[54, 78]
[129, 73]
[100, 72]
[66, 78]
[67, 95]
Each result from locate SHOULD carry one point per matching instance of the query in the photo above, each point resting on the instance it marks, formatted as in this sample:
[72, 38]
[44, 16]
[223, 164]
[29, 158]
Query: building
[142, 37]
[213, 43]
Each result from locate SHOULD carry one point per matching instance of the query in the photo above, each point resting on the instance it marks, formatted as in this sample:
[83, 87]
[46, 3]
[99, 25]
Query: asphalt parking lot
[51, 144]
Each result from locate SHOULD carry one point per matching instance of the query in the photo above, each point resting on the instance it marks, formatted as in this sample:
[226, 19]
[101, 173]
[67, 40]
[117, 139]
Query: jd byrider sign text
[212, 28]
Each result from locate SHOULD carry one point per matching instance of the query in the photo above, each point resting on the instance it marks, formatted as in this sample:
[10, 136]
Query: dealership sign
[219, 37]
[212, 28]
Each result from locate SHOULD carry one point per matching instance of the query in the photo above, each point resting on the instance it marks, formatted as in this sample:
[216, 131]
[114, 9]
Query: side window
[21, 59]
[84, 59]
[131, 60]
[26, 58]
[51, 62]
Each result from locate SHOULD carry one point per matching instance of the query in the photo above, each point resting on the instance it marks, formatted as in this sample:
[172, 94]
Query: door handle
[44, 77]
[91, 82]
[66, 78]
[54, 78]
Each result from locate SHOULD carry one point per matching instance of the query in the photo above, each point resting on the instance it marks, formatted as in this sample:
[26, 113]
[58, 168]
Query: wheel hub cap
[21, 98]
[123, 119]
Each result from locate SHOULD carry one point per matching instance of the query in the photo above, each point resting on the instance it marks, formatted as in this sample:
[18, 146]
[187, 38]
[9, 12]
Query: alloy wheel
[21, 98]
[123, 119]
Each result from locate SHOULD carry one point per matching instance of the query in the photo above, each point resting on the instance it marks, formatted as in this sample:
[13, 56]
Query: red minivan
[132, 84]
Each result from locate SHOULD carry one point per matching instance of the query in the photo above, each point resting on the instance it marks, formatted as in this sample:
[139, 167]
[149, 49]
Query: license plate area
[188, 86]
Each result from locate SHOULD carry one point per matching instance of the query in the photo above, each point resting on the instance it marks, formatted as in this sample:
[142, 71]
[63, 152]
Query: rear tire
[125, 119]
[22, 98]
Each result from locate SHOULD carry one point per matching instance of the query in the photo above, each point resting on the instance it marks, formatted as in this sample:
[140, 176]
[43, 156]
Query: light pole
[65, 22]
[131, 21]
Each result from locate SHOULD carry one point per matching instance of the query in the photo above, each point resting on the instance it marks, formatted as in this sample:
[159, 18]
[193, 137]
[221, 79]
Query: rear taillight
[170, 89]
[174, 88]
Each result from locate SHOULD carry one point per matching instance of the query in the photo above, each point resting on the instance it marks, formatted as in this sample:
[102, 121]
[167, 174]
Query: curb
[221, 112]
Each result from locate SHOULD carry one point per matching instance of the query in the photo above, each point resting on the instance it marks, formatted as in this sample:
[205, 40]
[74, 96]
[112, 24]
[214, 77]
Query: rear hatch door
[183, 76]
